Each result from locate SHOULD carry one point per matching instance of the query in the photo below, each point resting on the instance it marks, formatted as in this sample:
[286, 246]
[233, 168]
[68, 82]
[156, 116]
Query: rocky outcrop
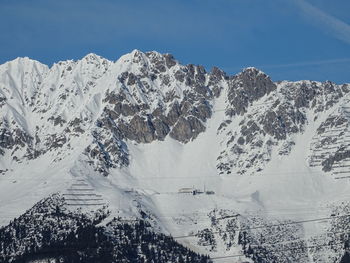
[2, 101]
[147, 97]
[338, 156]
[330, 147]
[186, 129]
[146, 124]
[247, 87]
[284, 120]
[281, 113]
[15, 140]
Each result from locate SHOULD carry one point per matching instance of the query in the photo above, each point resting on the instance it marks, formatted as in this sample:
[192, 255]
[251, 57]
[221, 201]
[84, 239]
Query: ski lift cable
[190, 177]
[273, 225]
[280, 250]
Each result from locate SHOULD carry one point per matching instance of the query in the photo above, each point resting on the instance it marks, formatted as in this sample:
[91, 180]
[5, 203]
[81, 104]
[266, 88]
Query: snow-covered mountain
[228, 165]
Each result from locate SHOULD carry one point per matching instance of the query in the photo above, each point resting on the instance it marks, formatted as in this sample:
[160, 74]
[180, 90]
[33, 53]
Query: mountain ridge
[144, 128]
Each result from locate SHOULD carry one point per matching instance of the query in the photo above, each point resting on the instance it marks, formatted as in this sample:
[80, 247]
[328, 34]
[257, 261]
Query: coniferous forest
[49, 232]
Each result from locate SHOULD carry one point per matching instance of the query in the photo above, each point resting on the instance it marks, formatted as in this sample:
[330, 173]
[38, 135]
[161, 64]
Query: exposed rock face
[187, 128]
[247, 87]
[15, 140]
[283, 121]
[147, 97]
[330, 148]
[339, 156]
[149, 123]
[2, 101]
[280, 114]
[158, 98]
[10, 138]
[97, 112]
[99, 107]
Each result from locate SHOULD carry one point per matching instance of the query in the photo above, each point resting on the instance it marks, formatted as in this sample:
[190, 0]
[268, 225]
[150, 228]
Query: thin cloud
[331, 24]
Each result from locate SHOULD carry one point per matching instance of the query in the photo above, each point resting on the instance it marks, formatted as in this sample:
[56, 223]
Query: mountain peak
[92, 56]
[25, 61]
[136, 52]
[253, 71]
[115, 133]
[135, 56]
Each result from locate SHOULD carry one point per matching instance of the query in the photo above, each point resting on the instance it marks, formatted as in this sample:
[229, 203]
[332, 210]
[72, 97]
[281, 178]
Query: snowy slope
[138, 130]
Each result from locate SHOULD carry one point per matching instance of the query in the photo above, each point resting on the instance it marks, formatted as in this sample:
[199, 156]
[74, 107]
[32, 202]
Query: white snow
[287, 188]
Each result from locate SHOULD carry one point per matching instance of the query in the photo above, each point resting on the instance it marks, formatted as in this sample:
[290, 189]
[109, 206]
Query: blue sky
[288, 39]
